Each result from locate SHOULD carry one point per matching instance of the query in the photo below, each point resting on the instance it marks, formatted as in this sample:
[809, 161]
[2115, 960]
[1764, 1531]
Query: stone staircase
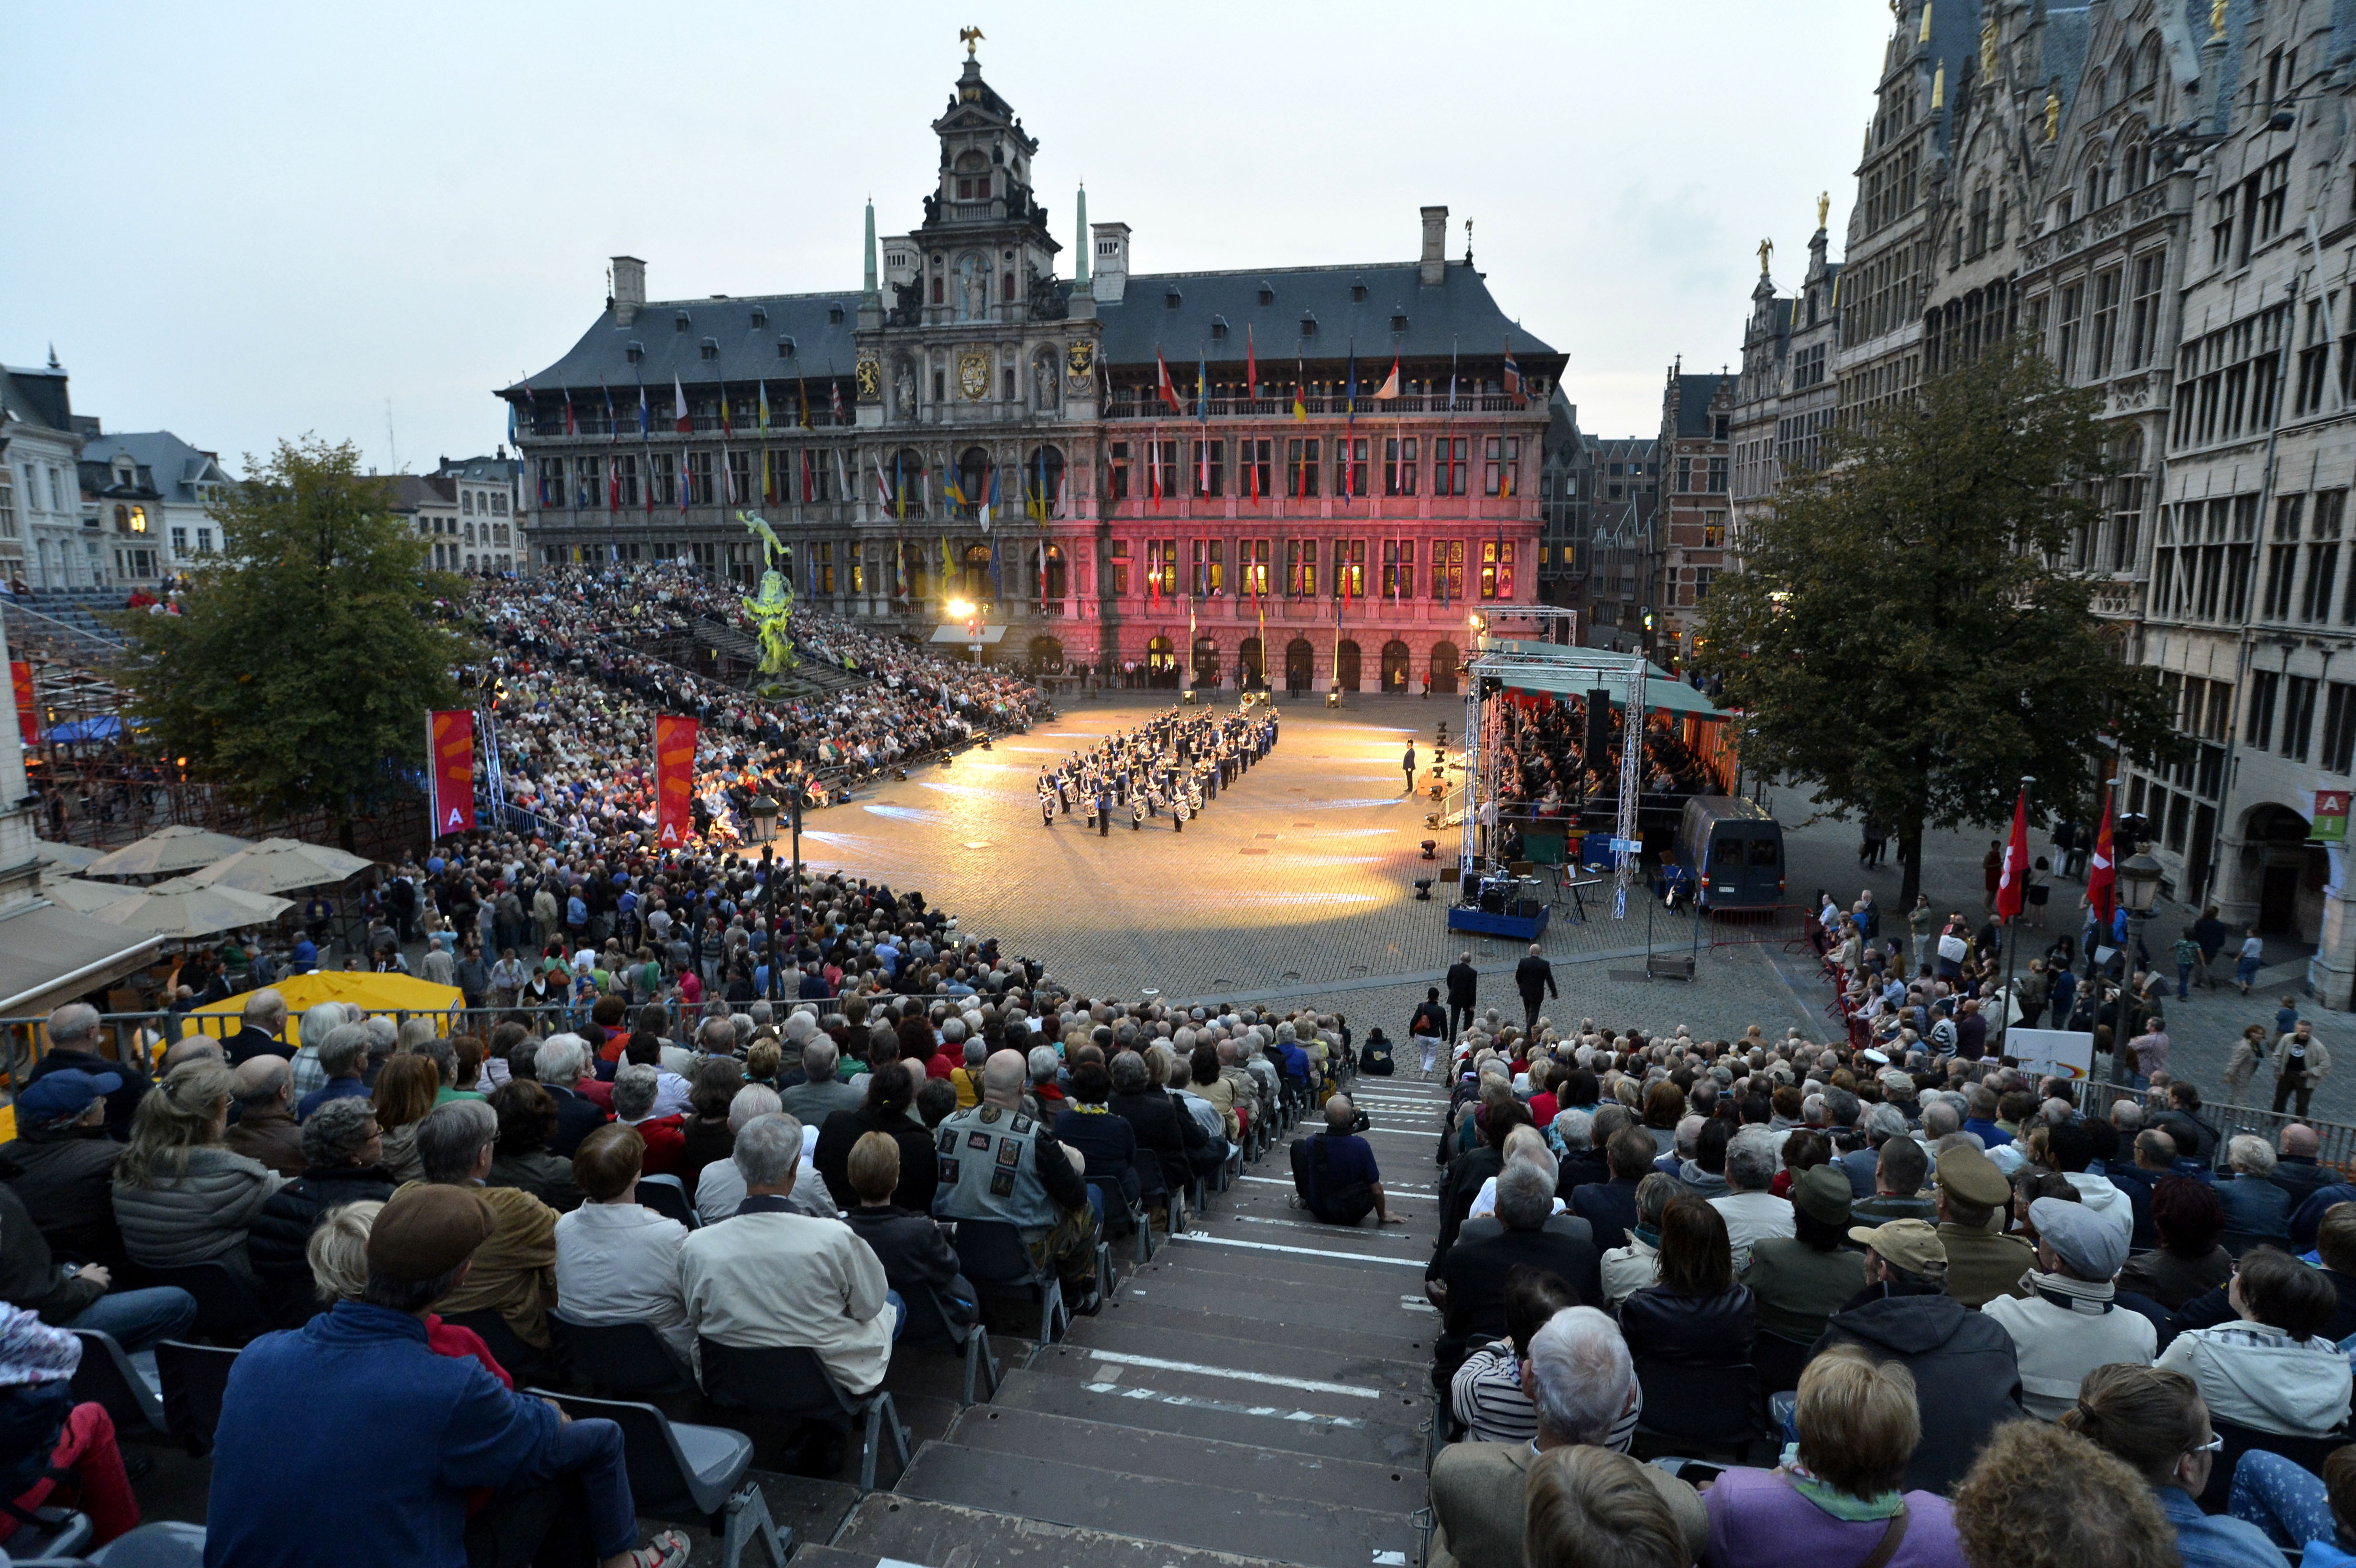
[1258, 1394]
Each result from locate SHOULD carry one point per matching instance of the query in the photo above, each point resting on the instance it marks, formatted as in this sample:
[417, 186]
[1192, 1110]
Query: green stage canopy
[1664, 693]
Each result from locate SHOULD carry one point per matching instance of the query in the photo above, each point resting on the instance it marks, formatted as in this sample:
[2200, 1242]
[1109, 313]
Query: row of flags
[1166, 388]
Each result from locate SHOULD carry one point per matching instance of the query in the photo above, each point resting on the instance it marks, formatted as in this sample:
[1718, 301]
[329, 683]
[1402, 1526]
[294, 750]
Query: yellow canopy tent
[374, 992]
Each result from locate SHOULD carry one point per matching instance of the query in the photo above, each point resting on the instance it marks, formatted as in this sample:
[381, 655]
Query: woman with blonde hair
[180, 1196]
[407, 1087]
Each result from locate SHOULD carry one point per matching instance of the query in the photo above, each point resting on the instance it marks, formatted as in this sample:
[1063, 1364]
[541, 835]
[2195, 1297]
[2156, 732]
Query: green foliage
[300, 674]
[1901, 631]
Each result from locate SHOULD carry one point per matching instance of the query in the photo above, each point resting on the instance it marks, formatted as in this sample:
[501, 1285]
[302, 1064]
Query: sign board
[2330, 820]
[2063, 1053]
[1627, 846]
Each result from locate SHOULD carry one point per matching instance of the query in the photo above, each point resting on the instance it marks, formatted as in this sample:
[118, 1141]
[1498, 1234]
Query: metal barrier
[2336, 1140]
[1784, 923]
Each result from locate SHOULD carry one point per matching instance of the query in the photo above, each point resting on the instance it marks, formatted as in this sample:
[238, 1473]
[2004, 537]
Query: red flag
[678, 420]
[450, 780]
[1511, 377]
[674, 781]
[2009, 894]
[28, 707]
[1168, 391]
[2102, 872]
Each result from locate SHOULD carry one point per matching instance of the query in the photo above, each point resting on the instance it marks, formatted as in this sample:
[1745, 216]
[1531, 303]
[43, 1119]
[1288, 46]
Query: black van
[1732, 849]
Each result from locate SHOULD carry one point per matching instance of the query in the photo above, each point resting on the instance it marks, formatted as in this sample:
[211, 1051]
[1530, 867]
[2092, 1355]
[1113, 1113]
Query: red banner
[28, 707]
[674, 781]
[451, 779]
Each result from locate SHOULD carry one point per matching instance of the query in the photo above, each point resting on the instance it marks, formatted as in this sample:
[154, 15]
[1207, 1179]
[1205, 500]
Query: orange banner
[451, 779]
[674, 781]
[28, 708]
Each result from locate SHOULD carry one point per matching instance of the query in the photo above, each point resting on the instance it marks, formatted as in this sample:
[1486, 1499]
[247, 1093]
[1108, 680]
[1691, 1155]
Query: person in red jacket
[636, 1086]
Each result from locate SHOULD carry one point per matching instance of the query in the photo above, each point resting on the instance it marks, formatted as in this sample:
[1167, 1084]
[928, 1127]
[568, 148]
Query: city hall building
[1314, 477]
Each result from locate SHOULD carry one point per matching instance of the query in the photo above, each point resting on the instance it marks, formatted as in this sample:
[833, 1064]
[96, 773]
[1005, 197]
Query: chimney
[1110, 273]
[630, 288]
[1434, 269]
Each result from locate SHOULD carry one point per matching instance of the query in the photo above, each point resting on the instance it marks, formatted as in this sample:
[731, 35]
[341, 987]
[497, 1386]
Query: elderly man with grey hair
[73, 1038]
[1879, 1125]
[265, 1130]
[721, 1187]
[1581, 1379]
[262, 1020]
[772, 1277]
[513, 1273]
[1471, 1287]
[320, 1019]
[1751, 1211]
[344, 1057]
[559, 1066]
[821, 1092]
[1002, 1165]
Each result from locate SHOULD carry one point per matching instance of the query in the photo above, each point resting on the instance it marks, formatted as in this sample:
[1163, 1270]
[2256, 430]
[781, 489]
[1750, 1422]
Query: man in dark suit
[1472, 1278]
[264, 1020]
[1463, 990]
[1534, 978]
[561, 1060]
[1610, 1208]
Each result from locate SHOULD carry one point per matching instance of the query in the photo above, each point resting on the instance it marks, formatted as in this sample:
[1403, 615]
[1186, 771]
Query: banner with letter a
[450, 780]
[28, 707]
[674, 781]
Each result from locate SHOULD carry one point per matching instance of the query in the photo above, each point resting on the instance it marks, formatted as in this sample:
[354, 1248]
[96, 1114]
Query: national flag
[1153, 472]
[899, 487]
[954, 490]
[1252, 466]
[1300, 392]
[2009, 895]
[1390, 387]
[1044, 500]
[726, 427]
[806, 475]
[571, 425]
[1350, 386]
[990, 503]
[842, 475]
[1512, 377]
[838, 400]
[682, 480]
[801, 385]
[765, 403]
[678, 420]
[613, 486]
[1167, 388]
[2101, 871]
[1202, 389]
[1251, 364]
[645, 422]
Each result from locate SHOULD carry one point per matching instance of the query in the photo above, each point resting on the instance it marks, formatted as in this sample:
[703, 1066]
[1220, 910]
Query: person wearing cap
[2070, 1323]
[1802, 1279]
[1965, 1369]
[349, 1442]
[61, 1163]
[1983, 1264]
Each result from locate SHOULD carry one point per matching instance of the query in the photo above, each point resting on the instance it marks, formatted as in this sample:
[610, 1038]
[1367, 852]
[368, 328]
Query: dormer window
[1398, 319]
[1308, 324]
[1358, 290]
[681, 322]
[711, 348]
[834, 315]
[1218, 326]
[1267, 293]
[786, 348]
[1172, 299]
[760, 315]
[636, 351]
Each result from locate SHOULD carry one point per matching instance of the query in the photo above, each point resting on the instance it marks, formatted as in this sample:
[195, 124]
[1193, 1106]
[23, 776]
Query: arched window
[904, 483]
[2135, 169]
[1043, 480]
[2147, 67]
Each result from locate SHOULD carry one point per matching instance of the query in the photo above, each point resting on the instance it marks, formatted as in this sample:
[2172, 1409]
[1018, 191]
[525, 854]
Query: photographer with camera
[1334, 1172]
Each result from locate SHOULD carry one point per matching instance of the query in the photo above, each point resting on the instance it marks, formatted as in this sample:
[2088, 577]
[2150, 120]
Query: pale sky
[244, 221]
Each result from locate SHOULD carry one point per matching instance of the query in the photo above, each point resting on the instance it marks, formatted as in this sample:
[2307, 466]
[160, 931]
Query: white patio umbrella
[281, 865]
[73, 857]
[82, 897]
[167, 851]
[181, 910]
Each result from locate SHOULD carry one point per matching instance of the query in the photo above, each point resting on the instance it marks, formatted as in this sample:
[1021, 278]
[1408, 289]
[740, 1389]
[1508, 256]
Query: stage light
[1429, 846]
[1423, 889]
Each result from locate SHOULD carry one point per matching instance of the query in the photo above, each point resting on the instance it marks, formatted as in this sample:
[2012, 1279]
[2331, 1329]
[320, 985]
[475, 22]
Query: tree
[1901, 631]
[299, 673]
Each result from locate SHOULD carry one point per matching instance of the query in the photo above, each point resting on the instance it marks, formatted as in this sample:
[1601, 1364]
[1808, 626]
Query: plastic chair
[522, 1363]
[667, 1196]
[228, 1305]
[684, 1474]
[930, 1323]
[107, 1378]
[990, 1254]
[195, 1378]
[1117, 1203]
[56, 1535]
[1779, 1360]
[164, 1544]
[1715, 1409]
[789, 1380]
[617, 1358]
[2307, 1452]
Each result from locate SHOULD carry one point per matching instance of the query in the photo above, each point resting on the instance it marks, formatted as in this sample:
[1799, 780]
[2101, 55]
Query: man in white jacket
[2069, 1324]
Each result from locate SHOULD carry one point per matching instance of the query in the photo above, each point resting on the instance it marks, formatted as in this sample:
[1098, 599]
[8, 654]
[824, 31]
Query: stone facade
[1690, 539]
[1195, 474]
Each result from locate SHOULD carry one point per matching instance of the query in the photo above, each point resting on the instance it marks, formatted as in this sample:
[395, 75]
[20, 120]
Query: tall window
[1116, 476]
[625, 478]
[1447, 463]
[1161, 566]
[740, 478]
[1718, 476]
[2143, 314]
[1300, 462]
[822, 568]
[1253, 462]
[1252, 560]
[1349, 568]
[1207, 470]
[7, 507]
[1210, 568]
[699, 479]
[2065, 341]
[1497, 569]
[1301, 568]
[2258, 726]
[1448, 569]
[2339, 727]
[2282, 559]
[1500, 464]
[1398, 465]
[2274, 191]
[663, 476]
[1350, 466]
[590, 490]
[1120, 567]
[2103, 329]
[2298, 717]
[1398, 568]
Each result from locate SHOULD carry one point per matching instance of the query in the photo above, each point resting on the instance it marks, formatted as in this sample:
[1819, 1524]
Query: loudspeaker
[1470, 892]
[1599, 727]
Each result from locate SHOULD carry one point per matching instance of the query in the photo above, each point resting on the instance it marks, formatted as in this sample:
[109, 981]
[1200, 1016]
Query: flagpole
[2012, 926]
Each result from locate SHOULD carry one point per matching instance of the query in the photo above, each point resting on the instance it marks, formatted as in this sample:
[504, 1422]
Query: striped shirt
[1486, 1396]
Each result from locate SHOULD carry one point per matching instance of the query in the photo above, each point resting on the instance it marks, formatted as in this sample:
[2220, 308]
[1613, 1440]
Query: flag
[726, 427]
[450, 783]
[806, 474]
[674, 781]
[1350, 386]
[1252, 467]
[644, 424]
[2102, 872]
[512, 439]
[1390, 387]
[989, 502]
[838, 400]
[1451, 375]
[953, 489]
[1251, 364]
[1045, 501]
[613, 486]
[682, 479]
[678, 420]
[2009, 897]
[1202, 388]
[1168, 389]
[1300, 392]
[842, 475]
[765, 403]
[28, 707]
[1153, 471]
[571, 425]
[899, 487]
[1512, 377]
[801, 386]
[997, 589]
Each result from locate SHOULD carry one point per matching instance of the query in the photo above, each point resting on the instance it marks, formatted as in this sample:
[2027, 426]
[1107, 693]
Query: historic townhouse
[1316, 474]
[1689, 544]
[1784, 396]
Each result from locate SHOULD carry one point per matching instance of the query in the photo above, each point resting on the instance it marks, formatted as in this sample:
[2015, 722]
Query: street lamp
[761, 820]
[2137, 883]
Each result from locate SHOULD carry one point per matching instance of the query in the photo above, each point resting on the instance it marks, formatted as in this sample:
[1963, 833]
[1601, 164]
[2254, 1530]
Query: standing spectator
[1534, 979]
[617, 1262]
[2071, 1324]
[1429, 1028]
[2148, 1051]
[2247, 960]
[1463, 993]
[2299, 1062]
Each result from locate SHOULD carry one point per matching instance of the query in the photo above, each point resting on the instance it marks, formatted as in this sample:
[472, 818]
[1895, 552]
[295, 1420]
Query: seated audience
[617, 1262]
[1335, 1176]
[341, 1150]
[61, 1162]
[527, 1114]
[408, 1087]
[908, 1242]
[1486, 1395]
[1047, 1200]
[513, 1272]
[2040, 1497]
[2153, 1419]
[1629, 1269]
[180, 1196]
[2272, 1370]
[890, 1092]
[1590, 1507]
[265, 1130]
[1802, 1279]
[2187, 1219]
[1698, 1316]
[2071, 1324]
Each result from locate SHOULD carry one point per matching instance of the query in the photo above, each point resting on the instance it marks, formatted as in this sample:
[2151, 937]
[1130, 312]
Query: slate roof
[167, 464]
[2067, 32]
[37, 396]
[1459, 314]
[482, 470]
[1694, 395]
